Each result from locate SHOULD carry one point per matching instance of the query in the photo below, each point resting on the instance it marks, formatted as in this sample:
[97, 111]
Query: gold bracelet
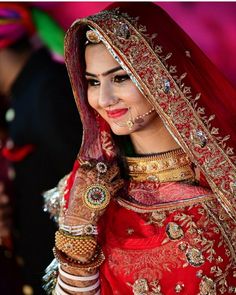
[75, 245]
[67, 261]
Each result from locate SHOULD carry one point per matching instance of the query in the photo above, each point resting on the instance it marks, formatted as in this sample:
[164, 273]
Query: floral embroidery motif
[141, 263]
[141, 287]
[174, 231]
[207, 286]
[158, 217]
[179, 288]
[194, 257]
[107, 143]
[232, 290]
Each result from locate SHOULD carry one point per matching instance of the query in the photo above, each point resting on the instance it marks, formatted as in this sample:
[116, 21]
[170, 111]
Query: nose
[106, 95]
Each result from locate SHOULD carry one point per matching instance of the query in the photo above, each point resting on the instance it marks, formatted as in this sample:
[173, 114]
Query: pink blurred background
[212, 25]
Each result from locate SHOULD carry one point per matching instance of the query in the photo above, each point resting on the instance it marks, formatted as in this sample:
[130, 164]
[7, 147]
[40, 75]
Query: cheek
[92, 99]
[135, 96]
[93, 102]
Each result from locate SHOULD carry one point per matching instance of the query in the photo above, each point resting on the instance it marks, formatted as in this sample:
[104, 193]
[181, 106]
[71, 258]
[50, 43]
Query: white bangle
[59, 291]
[77, 230]
[78, 289]
[77, 278]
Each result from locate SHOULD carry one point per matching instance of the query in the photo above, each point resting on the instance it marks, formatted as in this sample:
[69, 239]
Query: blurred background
[212, 25]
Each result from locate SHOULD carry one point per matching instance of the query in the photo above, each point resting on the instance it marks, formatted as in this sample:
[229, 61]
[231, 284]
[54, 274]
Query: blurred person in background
[44, 130]
[10, 282]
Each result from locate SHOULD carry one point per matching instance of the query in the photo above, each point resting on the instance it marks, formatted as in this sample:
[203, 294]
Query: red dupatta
[195, 102]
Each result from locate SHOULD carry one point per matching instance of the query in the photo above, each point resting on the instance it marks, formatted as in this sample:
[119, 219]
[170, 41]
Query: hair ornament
[93, 37]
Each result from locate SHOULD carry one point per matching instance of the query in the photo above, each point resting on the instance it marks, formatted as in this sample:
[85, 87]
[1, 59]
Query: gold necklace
[170, 166]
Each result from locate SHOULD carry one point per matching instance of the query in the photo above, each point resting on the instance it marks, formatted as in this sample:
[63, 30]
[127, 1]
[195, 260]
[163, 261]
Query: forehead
[98, 59]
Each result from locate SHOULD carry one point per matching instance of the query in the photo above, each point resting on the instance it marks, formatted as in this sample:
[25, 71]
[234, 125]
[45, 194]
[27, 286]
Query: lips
[116, 113]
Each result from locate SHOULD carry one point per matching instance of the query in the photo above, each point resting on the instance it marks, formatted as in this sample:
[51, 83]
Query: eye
[121, 78]
[93, 82]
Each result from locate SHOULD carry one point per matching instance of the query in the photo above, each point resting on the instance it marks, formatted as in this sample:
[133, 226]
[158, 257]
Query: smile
[116, 113]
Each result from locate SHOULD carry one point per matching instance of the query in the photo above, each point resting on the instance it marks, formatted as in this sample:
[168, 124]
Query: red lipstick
[116, 113]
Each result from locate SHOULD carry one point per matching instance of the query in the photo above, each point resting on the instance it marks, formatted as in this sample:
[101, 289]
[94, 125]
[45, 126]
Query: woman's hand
[94, 185]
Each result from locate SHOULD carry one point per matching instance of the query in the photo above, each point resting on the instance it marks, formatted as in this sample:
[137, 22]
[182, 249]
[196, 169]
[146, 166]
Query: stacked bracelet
[77, 289]
[59, 291]
[78, 230]
[77, 278]
[75, 245]
[66, 261]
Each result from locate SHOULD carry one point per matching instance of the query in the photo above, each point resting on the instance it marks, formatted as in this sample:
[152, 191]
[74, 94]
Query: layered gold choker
[170, 166]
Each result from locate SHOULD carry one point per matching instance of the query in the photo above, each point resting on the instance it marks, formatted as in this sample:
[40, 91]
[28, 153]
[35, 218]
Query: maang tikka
[92, 37]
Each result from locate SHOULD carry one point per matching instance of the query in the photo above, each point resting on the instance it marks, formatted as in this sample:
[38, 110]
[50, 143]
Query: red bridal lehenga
[173, 230]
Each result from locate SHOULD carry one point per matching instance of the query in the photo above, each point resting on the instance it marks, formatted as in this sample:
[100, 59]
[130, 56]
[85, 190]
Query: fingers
[90, 173]
[116, 186]
[112, 172]
[87, 175]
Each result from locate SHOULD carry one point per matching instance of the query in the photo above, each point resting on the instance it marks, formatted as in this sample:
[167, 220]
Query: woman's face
[113, 95]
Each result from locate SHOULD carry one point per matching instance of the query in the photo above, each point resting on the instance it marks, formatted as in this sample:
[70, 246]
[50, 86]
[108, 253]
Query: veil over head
[194, 100]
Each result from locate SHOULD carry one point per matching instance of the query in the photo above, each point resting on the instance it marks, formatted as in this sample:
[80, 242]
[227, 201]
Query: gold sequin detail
[207, 286]
[169, 166]
[174, 231]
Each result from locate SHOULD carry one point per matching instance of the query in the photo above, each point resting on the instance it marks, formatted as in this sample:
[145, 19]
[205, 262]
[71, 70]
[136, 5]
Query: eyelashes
[116, 79]
[121, 78]
[93, 82]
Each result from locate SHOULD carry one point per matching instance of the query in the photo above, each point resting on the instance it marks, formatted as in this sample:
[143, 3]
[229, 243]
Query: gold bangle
[75, 245]
[66, 261]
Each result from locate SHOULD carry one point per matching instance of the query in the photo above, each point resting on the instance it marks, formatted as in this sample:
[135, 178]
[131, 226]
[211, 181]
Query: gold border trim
[165, 206]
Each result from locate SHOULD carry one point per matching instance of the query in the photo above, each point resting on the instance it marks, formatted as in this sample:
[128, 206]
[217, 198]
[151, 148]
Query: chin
[117, 130]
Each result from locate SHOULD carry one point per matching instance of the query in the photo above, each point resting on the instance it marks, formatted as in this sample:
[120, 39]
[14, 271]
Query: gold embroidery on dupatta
[164, 206]
[223, 222]
[207, 286]
[174, 231]
[173, 100]
[143, 287]
[107, 145]
[142, 263]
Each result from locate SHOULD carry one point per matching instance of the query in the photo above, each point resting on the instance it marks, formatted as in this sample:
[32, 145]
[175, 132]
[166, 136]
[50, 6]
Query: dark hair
[3, 109]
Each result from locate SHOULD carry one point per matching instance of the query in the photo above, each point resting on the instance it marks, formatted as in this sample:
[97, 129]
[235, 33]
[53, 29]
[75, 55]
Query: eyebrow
[105, 73]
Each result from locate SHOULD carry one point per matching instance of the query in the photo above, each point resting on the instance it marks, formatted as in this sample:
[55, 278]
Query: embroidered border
[227, 229]
[165, 206]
